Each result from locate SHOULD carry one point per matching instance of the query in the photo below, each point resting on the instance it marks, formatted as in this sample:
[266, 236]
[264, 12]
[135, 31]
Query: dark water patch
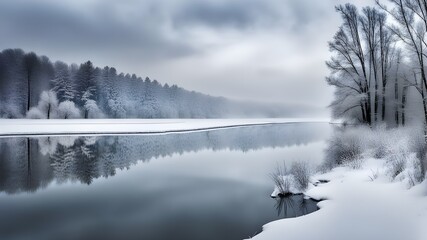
[295, 205]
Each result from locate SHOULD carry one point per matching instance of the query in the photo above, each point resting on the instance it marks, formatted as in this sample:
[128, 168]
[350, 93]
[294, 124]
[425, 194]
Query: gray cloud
[239, 14]
[261, 50]
[50, 25]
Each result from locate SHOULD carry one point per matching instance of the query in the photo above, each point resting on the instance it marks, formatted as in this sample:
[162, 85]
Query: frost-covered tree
[68, 110]
[85, 79]
[363, 58]
[62, 83]
[46, 108]
[92, 109]
[410, 27]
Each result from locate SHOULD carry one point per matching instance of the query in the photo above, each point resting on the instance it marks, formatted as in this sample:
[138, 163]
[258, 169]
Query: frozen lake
[196, 185]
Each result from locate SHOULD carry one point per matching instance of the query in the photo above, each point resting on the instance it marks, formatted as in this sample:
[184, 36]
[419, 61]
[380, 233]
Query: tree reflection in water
[28, 164]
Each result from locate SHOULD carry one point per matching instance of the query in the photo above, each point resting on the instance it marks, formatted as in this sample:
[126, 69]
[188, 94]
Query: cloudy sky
[259, 50]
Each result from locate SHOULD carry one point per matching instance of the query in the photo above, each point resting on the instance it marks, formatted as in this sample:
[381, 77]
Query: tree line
[32, 86]
[378, 63]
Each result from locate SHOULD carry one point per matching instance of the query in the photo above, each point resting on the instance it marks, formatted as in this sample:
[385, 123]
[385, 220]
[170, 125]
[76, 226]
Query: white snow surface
[11, 127]
[357, 208]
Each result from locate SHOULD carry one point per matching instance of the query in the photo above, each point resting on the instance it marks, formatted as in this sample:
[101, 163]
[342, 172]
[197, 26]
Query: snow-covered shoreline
[35, 127]
[375, 189]
[358, 206]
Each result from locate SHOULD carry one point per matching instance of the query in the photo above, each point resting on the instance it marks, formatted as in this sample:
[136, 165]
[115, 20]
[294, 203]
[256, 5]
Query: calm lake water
[200, 185]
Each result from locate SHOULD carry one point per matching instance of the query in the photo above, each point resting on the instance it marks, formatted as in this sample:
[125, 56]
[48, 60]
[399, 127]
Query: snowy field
[19, 127]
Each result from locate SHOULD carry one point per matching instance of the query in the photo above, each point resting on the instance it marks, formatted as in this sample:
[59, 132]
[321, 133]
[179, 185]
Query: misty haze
[213, 119]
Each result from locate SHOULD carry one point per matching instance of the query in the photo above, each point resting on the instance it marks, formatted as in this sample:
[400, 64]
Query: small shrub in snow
[414, 173]
[396, 164]
[281, 180]
[301, 172]
[354, 163]
[374, 175]
[292, 181]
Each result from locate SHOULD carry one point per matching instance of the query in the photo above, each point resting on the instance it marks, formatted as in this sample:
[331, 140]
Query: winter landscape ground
[271, 119]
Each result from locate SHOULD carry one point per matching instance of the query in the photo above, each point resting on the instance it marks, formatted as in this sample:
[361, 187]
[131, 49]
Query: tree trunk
[28, 162]
[424, 107]
[363, 112]
[383, 106]
[396, 101]
[376, 102]
[28, 91]
[404, 92]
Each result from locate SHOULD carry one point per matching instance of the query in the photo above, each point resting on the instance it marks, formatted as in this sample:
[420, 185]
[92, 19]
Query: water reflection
[295, 206]
[28, 164]
[218, 189]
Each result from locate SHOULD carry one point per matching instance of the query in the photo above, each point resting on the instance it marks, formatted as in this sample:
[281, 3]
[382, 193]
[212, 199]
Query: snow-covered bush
[414, 171]
[403, 150]
[344, 147]
[396, 165]
[291, 181]
[68, 110]
[281, 180]
[300, 170]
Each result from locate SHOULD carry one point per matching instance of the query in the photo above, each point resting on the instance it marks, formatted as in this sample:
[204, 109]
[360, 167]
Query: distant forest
[32, 86]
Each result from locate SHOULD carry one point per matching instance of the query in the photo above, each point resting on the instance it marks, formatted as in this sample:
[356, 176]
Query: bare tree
[370, 28]
[363, 56]
[410, 17]
[348, 67]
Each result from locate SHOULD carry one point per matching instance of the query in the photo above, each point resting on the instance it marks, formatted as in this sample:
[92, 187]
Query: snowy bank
[358, 208]
[17, 127]
[374, 187]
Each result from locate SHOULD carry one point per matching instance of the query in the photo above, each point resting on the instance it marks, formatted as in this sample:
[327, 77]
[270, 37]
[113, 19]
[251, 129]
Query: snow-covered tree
[116, 108]
[46, 108]
[361, 66]
[68, 110]
[92, 109]
[62, 83]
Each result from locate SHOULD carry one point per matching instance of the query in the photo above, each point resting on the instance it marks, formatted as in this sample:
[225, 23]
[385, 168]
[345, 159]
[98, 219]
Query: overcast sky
[258, 50]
